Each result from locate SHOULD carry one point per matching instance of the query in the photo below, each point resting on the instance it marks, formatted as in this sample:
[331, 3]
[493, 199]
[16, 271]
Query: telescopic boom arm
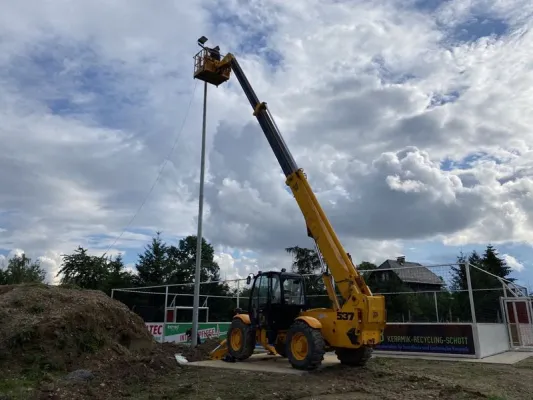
[342, 269]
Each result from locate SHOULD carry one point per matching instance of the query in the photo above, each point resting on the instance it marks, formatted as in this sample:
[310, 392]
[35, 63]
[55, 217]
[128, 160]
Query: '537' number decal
[346, 316]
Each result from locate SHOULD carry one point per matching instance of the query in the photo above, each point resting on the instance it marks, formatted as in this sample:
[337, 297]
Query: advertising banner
[412, 338]
[177, 332]
[429, 338]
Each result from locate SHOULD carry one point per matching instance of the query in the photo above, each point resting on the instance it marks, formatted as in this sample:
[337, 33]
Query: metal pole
[436, 306]
[196, 302]
[238, 292]
[470, 293]
[475, 330]
[165, 318]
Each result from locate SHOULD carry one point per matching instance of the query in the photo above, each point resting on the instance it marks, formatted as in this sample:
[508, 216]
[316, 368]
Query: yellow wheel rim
[299, 347]
[236, 339]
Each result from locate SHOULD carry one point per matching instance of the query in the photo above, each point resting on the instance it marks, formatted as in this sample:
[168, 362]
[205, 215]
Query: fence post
[472, 310]
[436, 305]
[238, 291]
[165, 318]
[112, 292]
[504, 288]
[470, 293]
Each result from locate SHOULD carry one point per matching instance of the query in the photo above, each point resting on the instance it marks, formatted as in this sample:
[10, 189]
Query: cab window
[276, 290]
[260, 294]
[293, 291]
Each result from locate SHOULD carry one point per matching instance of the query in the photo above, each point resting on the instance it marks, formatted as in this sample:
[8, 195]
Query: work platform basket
[209, 68]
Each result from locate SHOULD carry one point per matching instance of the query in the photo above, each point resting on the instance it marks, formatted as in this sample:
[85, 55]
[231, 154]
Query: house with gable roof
[411, 274]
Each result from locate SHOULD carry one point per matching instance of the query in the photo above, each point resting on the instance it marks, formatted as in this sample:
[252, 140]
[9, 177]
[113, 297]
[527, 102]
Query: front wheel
[304, 346]
[240, 340]
[280, 348]
[354, 357]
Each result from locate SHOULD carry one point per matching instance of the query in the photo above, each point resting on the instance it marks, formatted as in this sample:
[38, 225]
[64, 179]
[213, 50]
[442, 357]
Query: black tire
[243, 349]
[280, 348]
[314, 344]
[354, 357]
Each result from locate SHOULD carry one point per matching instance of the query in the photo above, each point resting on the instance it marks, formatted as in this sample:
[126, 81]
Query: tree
[307, 262]
[486, 301]
[117, 276]
[21, 269]
[161, 264]
[153, 265]
[366, 267]
[94, 272]
[182, 259]
[496, 265]
[83, 270]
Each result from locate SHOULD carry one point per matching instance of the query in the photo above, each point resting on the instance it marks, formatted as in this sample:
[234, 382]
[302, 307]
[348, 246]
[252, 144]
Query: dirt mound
[201, 352]
[57, 329]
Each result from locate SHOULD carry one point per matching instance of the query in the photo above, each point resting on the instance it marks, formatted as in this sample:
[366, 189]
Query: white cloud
[373, 98]
[51, 263]
[513, 263]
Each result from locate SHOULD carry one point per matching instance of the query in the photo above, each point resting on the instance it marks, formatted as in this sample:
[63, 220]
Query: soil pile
[200, 352]
[52, 328]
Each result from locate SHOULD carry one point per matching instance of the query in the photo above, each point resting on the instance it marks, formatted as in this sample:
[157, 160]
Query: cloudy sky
[412, 120]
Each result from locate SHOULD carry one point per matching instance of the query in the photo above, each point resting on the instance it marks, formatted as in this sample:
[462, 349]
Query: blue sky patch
[478, 27]
[466, 162]
[73, 80]
[440, 99]
[428, 5]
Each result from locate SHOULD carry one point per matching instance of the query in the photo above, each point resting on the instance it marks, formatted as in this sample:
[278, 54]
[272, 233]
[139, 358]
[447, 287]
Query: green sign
[177, 332]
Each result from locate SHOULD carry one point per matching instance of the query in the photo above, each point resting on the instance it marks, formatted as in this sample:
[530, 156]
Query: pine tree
[117, 275]
[153, 265]
[487, 288]
[495, 265]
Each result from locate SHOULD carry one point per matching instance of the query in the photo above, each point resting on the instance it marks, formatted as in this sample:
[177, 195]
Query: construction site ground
[263, 362]
[64, 343]
[382, 378]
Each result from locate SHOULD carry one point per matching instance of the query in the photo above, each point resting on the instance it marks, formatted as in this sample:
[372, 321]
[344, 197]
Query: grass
[17, 388]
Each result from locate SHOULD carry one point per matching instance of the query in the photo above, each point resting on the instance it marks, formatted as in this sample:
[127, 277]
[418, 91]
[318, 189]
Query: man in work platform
[214, 53]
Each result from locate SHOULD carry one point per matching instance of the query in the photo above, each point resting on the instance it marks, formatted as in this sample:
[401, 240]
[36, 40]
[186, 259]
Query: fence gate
[519, 318]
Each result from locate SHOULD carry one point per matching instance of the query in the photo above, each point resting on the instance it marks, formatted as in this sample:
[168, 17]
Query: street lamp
[197, 275]
[201, 41]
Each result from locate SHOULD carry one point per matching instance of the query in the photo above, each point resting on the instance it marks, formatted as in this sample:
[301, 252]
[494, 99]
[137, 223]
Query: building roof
[418, 274]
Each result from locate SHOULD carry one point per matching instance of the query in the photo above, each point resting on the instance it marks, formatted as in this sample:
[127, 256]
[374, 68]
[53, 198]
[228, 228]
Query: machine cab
[276, 299]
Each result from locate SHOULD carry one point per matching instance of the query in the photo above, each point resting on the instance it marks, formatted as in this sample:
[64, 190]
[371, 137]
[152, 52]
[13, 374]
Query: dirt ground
[60, 343]
[157, 376]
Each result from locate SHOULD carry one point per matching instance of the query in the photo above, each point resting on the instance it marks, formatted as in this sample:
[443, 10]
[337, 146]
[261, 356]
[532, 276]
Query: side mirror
[248, 279]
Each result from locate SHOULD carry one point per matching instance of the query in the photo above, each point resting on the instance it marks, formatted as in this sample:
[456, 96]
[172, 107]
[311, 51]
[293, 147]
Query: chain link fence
[445, 293]
[218, 300]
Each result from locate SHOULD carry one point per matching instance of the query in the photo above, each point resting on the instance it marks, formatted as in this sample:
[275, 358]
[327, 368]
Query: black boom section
[281, 151]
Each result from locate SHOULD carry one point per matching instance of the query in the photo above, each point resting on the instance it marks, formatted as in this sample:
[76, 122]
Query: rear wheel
[240, 340]
[304, 346]
[354, 357]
